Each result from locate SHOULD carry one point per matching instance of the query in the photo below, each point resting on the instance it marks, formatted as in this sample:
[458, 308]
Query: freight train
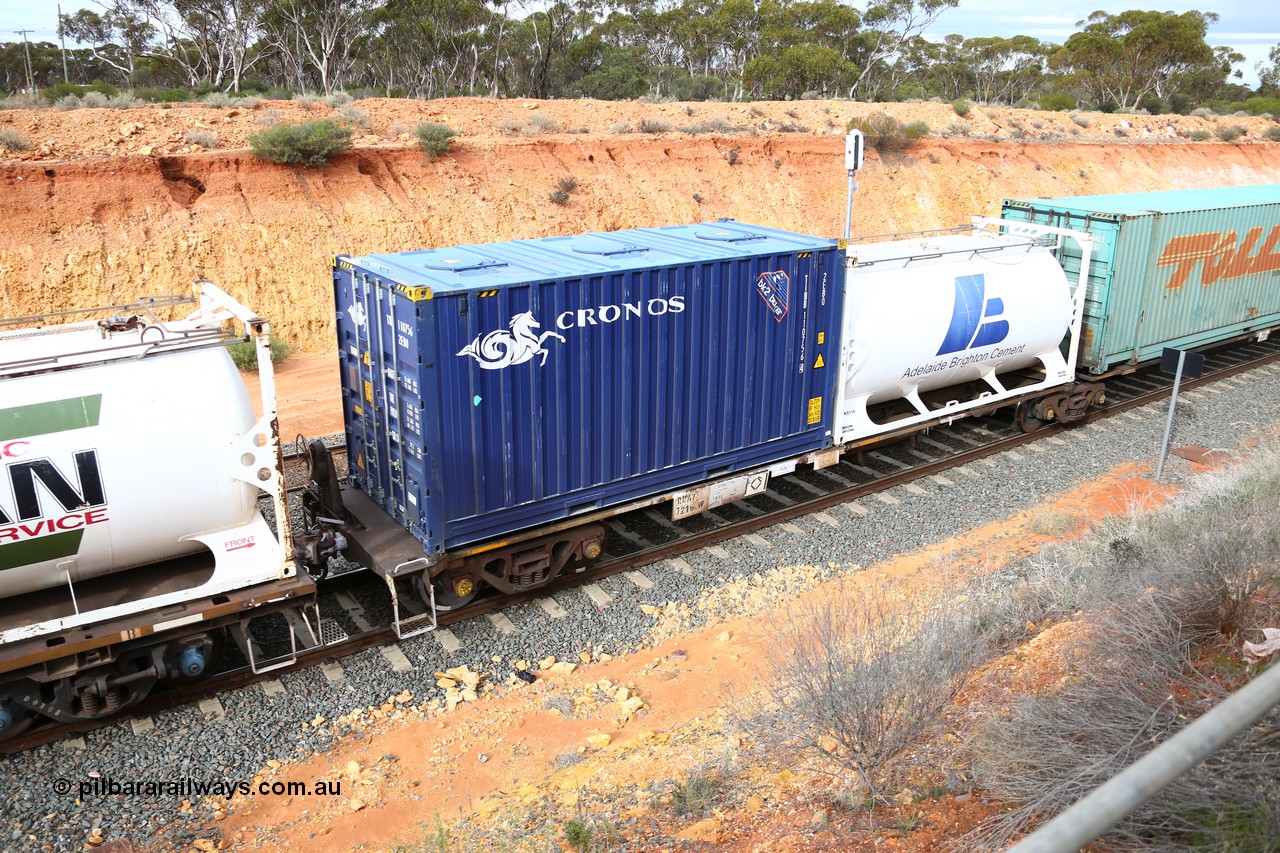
[503, 401]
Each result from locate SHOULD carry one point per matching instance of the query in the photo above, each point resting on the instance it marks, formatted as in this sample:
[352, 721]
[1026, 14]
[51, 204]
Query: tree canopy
[690, 49]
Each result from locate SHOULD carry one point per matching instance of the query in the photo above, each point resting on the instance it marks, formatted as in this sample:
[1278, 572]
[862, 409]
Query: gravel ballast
[42, 808]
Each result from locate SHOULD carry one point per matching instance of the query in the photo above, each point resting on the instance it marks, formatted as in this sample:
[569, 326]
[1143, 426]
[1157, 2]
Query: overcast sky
[1252, 27]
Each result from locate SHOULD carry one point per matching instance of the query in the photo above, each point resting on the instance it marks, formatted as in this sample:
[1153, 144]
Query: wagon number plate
[699, 498]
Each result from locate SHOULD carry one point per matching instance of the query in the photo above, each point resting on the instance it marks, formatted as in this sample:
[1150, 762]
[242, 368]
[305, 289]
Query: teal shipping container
[1183, 269]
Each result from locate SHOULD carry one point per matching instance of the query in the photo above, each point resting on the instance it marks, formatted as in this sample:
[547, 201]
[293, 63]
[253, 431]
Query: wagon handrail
[1078, 296]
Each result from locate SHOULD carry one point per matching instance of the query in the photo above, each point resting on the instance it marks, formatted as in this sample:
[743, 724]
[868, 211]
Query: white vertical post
[853, 150]
[1173, 404]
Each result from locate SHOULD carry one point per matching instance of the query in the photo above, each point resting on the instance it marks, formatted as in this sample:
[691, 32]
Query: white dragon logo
[501, 348]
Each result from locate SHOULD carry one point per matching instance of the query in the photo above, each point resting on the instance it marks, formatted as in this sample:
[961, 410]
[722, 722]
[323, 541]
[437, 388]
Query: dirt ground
[109, 205]
[482, 772]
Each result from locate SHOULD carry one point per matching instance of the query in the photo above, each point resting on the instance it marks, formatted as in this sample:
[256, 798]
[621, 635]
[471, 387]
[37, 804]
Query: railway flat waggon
[132, 545]
[490, 389]
[504, 402]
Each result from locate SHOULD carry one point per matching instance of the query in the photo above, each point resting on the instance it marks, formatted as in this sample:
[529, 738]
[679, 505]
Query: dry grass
[1168, 597]
[862, 672]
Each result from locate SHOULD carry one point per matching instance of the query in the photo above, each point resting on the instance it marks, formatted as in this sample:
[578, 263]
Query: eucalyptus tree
[1122, 57]
[540, 41]
[1269, 75]
[1002, 67]
[941, 68]
[118, 38]
[429, 47]
[803, 47]
[317, 39]
[208, 42]
[885, 28]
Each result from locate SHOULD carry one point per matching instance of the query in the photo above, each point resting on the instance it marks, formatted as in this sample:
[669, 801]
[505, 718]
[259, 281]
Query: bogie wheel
[1027, 422]
[452, 592]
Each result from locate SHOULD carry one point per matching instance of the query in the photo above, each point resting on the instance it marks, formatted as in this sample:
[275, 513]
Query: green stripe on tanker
[55, 547]
[53, 416]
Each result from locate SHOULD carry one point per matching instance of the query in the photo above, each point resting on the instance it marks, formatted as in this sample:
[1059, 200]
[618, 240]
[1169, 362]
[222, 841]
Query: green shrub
[559, 197]
[1229, 132]
[1272, 134]
[1056, 102]
[62, 90]
[434, 139]
[509, 126]
[310, 143]
[961, 106]
[1154, 104]
[697, 88]
[543, 124]
[916, 130]
[153, 95]
[882, 130]
[12, 140]
[354, 116]
[1258, 106]
[578, 834]
[125, 101]
[245, 354]
[21, 101]
[703, 789]
[1202, 112]
[1199, 135]
[226, 100]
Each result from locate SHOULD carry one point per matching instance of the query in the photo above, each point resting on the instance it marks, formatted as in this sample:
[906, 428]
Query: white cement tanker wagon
[132, 546]
[128, 441]
[946, 323]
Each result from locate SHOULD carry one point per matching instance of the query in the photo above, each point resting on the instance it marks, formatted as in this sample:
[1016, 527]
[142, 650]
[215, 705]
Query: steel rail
[237, 678]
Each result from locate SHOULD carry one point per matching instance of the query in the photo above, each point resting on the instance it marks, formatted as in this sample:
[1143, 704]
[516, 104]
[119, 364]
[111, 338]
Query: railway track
[648, 535]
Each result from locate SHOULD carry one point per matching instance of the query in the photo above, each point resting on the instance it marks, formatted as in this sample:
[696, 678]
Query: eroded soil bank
[109, 205]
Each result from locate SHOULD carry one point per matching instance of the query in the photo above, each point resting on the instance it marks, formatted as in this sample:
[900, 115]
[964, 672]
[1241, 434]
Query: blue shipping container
[495, 387]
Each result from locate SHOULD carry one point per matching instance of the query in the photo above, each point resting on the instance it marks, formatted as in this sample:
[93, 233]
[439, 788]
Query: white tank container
[113, 465]
[931, 313]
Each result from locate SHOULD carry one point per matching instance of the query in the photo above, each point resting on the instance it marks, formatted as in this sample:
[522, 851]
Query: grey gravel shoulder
[257, 727]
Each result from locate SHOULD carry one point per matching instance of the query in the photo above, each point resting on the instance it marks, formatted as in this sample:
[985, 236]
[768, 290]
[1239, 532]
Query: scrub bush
[434, 139]
[310, 143]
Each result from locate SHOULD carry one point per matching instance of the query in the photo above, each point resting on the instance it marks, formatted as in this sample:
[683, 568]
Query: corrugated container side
[1177, 269]
[549, 377]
